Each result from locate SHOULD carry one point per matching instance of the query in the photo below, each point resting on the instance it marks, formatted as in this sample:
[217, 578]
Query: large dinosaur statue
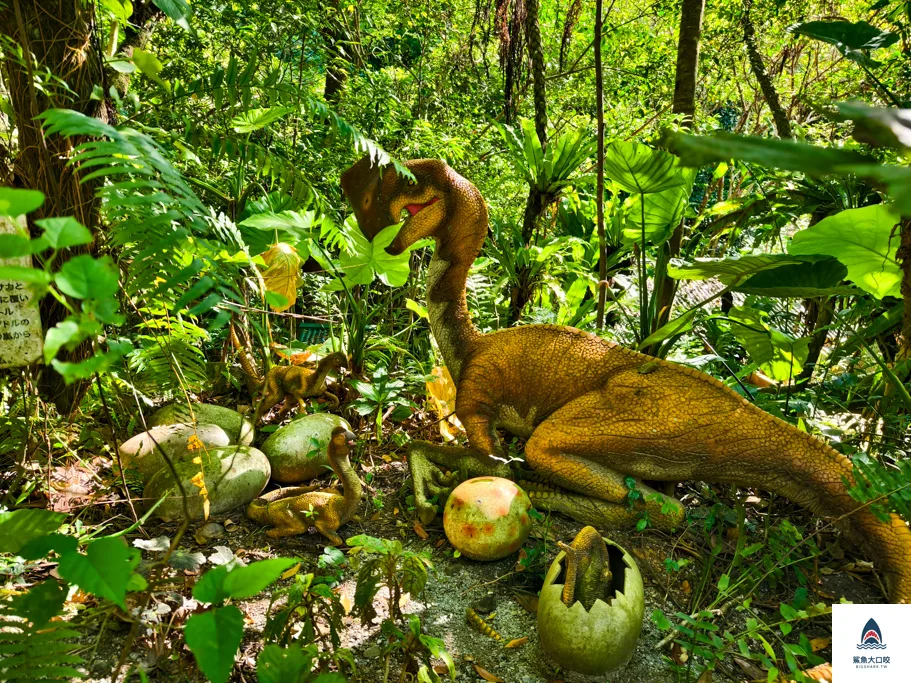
[593, 412]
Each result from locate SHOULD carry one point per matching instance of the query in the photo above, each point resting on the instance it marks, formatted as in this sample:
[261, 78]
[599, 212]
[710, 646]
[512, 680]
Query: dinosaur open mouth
[414, 208]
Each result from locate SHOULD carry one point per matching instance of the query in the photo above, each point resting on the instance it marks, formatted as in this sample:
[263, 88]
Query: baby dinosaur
[588, 574]
[293, 511]
[288, 382]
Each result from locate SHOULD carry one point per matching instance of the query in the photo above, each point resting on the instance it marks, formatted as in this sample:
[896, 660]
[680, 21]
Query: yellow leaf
[421, 531]
[442, 394]
[819, 643]
[345, 600]
[487, 676]
[282, 276]
[292, 571]
[518, 642]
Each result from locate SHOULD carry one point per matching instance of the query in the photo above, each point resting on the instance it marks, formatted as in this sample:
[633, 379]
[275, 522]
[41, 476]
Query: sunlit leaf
[283, 276]
[864, 240]
[779, 355]
[638, 168]
[213, 637]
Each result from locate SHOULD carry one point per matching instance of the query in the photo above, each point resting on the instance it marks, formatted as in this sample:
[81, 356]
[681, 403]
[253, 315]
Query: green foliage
[19, 527]
[214, 636]
[547, 170]
[887, 487]
[778, 354]
[363, 260]
[853, 40]
[293, 664]
[379, 395]
[864, 240]
[33, 650]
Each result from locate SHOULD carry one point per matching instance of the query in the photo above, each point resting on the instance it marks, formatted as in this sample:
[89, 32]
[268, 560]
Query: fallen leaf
[441, 669]
[819, 643]
[420, 531]
[752, 671]
[487, 676]
[518, 642]
[439, 544]
[287, 574]
[706, 677]
[685, 587]
[528, 601]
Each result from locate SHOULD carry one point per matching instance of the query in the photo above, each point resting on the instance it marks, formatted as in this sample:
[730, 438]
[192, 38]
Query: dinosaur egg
[601, 639]
[486, 518]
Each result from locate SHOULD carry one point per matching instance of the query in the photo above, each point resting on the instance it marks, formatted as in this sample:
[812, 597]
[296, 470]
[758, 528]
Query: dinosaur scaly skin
[593, 412]
[293, 511]
[588, 573]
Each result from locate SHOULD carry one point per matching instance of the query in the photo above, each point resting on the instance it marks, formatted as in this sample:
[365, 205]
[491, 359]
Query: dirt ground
[454, 585]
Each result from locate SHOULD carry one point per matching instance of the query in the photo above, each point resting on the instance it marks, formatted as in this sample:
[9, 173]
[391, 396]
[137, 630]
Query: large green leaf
[778, 275]
[283, 664]
[84, 277]
[638, 168]
[698, 150]
[864, 241]
[245, 582]
[254, 119]
[804, 281]
[61, 233]
[262, 230]
[15, 202]
[368, 259]
[853, 40]
[105, 569]
[877, 125]
[213, 637]
[663, 211]
[779, 355]
[21, 526]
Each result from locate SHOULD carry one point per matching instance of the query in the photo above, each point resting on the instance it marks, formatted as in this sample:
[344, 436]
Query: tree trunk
[688, 58]
[599, 199]
[537, 201]
[782, 124]
[59, 35]
[691, 14]
[820, 318]
[536, 53]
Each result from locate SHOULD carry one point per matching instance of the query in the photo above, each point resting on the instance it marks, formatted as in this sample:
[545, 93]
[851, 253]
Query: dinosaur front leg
[425, 461]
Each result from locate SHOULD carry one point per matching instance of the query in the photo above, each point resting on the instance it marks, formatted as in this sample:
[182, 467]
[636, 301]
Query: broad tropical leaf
[864, 241]
[255, 119]
[662, 211]
[779, 355]
[638, 168]
[213, 637]
[368, 259]
[853, 40]
[282, 276]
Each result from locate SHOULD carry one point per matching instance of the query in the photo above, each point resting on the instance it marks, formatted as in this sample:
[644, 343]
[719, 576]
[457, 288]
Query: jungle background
[179, 168]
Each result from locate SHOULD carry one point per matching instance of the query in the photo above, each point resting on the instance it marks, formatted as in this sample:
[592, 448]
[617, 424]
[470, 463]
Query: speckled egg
[486, 518]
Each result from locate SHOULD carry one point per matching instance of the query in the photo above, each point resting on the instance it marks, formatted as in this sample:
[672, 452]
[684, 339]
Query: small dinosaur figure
[295, 510]
[289, 383]
[604, 413]
[588, 574]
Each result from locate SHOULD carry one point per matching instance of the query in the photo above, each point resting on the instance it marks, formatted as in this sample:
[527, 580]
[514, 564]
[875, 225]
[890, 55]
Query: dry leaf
[685, 587]
[679, 654]
[292, 571]
[282, 276]
[346, 603]
[819, 643]
[528, 601]
[420, 531]
[706, 677]
[442, 393]
[439, 544]
[441, 669]
[518, 642]
[487, 676]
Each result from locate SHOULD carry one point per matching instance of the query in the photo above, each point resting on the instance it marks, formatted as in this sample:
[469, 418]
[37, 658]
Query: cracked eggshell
[597, 641]
[486, 518]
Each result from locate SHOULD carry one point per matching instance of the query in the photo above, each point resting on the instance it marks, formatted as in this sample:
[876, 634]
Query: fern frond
[36, 654]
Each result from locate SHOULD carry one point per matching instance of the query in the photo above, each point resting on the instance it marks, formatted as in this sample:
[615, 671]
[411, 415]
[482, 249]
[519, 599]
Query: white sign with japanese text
[21, 339]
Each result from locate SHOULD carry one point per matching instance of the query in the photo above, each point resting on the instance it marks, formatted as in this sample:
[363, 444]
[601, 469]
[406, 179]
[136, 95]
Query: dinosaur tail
[246, 360]
[812, 474]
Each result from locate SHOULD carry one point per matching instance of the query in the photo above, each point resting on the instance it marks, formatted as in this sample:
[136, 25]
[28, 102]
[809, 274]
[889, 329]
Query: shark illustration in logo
[872, 637]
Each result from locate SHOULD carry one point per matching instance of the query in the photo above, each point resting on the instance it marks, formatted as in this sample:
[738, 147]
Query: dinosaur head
[340, 440]
[380, 197]
[334, 361]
